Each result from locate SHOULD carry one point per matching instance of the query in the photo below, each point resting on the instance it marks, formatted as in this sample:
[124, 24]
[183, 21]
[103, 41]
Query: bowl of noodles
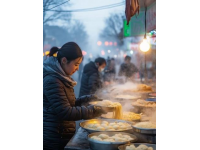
[110, 106]
[106, 125]
[128, 116]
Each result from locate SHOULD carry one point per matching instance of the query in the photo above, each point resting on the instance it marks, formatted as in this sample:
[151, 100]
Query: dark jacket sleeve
[83, 99]
[55, 93]
[134, 68]
[94, 83]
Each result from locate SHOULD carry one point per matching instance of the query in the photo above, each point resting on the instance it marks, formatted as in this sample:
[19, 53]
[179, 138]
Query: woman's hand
[95, 98]
[98, 111]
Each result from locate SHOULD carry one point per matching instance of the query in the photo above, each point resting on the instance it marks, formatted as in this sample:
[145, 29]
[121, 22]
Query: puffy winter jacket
[127, 69]
[91, 80]
[60, 107]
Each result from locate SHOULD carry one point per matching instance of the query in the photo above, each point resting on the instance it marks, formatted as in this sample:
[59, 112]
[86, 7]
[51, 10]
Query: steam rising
[110, 93]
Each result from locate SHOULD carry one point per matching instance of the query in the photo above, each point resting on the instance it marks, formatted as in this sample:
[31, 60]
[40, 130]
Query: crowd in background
[62, 106]
[94, 75]
[106, 73]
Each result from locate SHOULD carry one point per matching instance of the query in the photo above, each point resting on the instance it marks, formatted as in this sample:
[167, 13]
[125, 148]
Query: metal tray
[144, 130]
[145, 138]
[142, 106]
[123, 147]
[82, 124]
[138, 92]
[151, 99]
[99, 145]
[136, 120]
[125, 98]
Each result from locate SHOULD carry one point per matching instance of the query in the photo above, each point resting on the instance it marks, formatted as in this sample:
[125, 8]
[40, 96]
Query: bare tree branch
[52, 16]
[113, 29]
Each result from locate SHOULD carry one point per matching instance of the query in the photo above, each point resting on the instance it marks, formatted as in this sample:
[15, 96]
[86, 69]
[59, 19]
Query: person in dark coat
[127, 68]
[91, 77]
[60, 106]
[109, 71]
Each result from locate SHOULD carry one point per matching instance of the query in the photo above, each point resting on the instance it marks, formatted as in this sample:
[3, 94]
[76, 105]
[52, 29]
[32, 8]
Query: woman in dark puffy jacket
[60, 107]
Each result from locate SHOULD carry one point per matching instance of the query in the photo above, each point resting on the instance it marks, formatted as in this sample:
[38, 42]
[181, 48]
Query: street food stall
[130, 121]
[121, 128]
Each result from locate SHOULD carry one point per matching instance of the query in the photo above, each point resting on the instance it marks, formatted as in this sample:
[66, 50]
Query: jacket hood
[52, 67]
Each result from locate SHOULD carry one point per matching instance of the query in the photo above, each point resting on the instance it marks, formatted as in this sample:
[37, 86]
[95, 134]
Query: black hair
[53, 50]
[100, 60]
[127, 58]
[70, 51]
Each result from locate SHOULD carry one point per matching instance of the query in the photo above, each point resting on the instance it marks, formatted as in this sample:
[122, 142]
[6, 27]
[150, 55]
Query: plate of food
[109, 140]
[127, 97]
[109, 106]
[137, 146]
[145, 127]
[144, 103]
[140, 88]
[109, 125]
[128, 116]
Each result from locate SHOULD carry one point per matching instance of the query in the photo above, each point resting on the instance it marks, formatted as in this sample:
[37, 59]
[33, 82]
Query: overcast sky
[94, 20]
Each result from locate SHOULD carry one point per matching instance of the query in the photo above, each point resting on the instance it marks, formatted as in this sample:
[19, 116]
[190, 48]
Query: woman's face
[72, 67]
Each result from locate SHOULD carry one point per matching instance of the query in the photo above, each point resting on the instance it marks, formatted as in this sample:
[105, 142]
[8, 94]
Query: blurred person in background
[128, 69]
[60, 106]
[109, 71]
[91, 77]
[154, 70]
[141, 73]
